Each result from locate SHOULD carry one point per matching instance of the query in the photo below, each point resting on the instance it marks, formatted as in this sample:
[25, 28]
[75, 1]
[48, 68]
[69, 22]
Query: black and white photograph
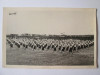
[49, 37]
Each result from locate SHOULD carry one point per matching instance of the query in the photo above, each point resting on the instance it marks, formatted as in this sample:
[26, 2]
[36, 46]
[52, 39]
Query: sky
[49, 21]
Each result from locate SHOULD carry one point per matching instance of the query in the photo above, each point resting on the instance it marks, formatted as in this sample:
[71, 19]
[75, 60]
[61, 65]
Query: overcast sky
[49, 21]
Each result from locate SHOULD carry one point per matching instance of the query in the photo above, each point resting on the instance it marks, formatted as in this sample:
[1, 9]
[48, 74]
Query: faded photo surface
[51, 37]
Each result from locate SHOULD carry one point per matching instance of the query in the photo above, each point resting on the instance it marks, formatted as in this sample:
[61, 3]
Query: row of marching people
[69, 45]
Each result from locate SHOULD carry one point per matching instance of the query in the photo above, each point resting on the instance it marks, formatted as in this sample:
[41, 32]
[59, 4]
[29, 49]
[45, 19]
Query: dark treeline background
[59, 37]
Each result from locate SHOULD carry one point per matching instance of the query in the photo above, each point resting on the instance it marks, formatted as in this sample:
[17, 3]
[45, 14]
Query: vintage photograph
[49, 37]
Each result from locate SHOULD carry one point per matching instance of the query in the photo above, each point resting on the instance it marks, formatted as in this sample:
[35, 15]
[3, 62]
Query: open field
[15, 56]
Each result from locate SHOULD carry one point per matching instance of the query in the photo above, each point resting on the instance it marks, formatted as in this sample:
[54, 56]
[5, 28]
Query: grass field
[15, 56]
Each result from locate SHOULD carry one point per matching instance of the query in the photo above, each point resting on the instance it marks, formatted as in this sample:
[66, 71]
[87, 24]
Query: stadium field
[21, 56]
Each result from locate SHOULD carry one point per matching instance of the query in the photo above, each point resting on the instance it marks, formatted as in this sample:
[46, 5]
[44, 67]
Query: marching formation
[69, 45]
